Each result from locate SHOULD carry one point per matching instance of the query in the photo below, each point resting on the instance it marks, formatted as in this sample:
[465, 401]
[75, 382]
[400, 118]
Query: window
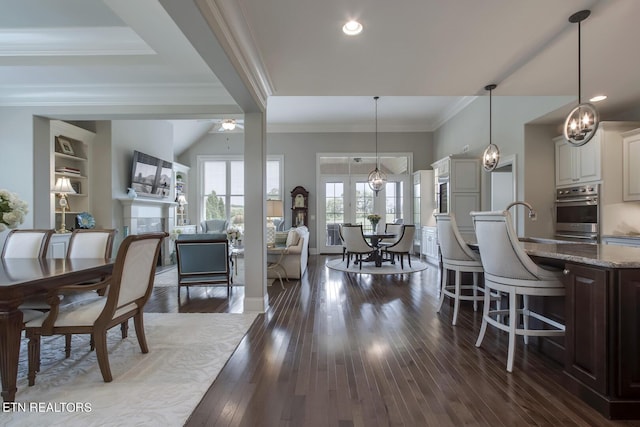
[222, 189]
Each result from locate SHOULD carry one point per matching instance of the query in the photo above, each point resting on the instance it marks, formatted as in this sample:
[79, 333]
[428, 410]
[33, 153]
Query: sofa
[295, 259]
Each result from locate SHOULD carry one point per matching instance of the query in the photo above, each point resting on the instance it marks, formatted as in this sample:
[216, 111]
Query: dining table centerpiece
[12, 210]
[374, 219]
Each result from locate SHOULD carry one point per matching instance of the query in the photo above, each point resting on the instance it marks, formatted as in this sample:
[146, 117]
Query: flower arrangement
[374, 218]
[234, 233]
[12, 210]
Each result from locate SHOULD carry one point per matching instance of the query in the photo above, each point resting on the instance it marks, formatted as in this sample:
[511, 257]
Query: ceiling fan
[227, 125]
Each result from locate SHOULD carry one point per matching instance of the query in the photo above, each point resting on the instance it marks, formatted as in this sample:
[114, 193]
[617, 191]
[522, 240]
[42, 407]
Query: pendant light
[377, 178]
[491, 155]
[582, 122]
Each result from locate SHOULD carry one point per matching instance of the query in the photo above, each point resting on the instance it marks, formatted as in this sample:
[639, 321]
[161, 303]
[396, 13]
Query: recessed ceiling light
[598, 98]
[352, 28]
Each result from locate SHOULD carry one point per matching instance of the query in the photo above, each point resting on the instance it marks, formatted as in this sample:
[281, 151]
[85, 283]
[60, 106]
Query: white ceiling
[426, 59]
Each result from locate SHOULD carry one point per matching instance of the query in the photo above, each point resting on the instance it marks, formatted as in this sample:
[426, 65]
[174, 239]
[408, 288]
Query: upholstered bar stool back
[457, 257]
[509, 269]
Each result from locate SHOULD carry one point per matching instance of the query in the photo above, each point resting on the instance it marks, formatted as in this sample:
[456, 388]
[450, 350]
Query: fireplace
[142, 215]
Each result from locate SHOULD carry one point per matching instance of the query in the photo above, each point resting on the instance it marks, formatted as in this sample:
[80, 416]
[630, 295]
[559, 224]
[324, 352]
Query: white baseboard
[258, 305]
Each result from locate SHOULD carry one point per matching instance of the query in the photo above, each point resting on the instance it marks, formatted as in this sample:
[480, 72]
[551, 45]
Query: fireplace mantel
[137, 213]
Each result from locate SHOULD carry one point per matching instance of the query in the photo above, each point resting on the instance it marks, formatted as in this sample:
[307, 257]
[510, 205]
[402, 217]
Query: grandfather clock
[299, 206]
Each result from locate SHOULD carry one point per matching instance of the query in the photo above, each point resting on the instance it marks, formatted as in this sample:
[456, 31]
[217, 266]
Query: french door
[349, 199]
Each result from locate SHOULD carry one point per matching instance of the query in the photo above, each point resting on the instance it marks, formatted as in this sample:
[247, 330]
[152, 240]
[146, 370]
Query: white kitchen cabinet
[429, 247]
[631, 165]
[457, 187]
[578, 165]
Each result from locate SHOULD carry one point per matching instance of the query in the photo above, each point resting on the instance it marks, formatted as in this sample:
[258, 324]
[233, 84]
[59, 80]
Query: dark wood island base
[601, 348]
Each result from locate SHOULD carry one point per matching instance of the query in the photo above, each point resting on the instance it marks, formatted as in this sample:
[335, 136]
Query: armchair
[203, 262]
[214, 226]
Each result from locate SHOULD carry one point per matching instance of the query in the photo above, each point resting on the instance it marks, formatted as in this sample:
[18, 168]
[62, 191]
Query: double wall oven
[578, 213]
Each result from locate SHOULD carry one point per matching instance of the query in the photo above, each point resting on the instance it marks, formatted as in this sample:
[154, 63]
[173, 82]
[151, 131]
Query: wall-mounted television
[151, 176]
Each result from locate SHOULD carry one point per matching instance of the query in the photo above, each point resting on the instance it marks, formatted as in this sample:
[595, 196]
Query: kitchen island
[601, 348]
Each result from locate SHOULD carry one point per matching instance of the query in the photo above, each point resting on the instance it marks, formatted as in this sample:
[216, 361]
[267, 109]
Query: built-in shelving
[181, 175]
[67, 137]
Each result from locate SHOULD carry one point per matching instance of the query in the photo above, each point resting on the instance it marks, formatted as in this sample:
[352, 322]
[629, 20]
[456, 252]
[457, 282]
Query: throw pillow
[281, 238]
[292, 238]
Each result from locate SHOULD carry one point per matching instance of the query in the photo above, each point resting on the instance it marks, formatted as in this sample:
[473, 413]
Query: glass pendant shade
[377, 178]
[490, 157]
[582, 122]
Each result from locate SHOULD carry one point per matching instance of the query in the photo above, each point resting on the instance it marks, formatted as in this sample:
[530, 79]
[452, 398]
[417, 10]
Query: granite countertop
[601, 255]
[634, 237]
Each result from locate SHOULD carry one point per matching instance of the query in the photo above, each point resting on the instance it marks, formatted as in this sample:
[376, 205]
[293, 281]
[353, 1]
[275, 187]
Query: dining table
[375, 239]
[21, 278]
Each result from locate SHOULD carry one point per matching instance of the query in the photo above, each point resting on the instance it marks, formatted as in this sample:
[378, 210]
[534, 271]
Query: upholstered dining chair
[128, 290]
[344, 247]
[26, 244]
[355, 243]
[91, 243]
[403, 245]
[508, 268]
[32, 244]
[459, 258]
[391, 228]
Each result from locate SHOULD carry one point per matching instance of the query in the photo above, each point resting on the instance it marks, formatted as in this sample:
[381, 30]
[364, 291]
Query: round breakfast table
[376, 255]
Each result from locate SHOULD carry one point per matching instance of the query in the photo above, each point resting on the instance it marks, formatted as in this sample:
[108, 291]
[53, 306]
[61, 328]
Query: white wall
[509, 116]
[299, 151]
[151, 137]
[24, 144]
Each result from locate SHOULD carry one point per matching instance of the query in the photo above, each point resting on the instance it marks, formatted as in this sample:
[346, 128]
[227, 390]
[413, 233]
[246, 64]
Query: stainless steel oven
[578, 213]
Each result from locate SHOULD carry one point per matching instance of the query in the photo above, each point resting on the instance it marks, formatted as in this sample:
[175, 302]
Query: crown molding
[230, 26]
[114, 94]
[73, 41]
[452, 111]
[343, 128]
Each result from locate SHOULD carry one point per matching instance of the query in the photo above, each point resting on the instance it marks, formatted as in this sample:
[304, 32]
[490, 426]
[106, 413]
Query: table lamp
[181, 200]
[63, 187]
[274, 210]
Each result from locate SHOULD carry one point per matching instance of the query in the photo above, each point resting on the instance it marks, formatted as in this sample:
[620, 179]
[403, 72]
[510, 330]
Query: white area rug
[370, 268]
[160, 388]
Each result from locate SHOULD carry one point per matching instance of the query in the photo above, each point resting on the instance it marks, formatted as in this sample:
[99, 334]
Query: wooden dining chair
[30, 244]
[26, 244]
[128, 290]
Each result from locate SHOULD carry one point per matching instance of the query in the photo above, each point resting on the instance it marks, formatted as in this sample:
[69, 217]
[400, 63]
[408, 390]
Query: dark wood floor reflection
[340, 349]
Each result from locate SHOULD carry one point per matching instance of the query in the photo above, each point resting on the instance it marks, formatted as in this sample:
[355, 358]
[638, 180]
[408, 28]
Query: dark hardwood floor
[337, 349]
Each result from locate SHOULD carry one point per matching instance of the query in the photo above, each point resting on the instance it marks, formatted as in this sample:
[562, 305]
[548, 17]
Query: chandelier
[228, 124]
[582, 122]
[491, 155]
[377, 178]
